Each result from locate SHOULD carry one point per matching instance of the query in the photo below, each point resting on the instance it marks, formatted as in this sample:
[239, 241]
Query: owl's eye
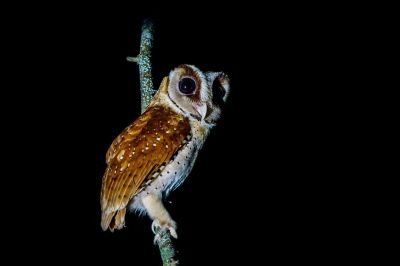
[187, 86]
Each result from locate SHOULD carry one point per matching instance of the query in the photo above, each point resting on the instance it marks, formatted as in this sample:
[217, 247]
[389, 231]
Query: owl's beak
[202, 110]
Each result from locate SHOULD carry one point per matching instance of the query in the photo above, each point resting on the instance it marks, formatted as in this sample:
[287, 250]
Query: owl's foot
[162, 221]
[159, 227]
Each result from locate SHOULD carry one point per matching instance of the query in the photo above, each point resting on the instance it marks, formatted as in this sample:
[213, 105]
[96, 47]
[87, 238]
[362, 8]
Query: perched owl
[155, 154]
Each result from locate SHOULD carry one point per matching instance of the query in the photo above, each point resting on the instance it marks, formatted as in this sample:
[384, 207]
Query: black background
[259, 190]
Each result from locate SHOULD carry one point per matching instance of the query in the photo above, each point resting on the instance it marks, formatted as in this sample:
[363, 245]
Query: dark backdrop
[259, 188]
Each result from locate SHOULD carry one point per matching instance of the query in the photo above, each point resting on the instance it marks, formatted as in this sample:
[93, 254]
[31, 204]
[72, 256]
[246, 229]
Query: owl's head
[199, 95]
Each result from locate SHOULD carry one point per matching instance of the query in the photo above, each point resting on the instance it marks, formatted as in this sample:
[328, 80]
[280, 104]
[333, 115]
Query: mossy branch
[166, 246]
[147, 91]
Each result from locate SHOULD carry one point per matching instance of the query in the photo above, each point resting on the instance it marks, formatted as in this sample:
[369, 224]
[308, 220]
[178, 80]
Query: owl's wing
[134, 157]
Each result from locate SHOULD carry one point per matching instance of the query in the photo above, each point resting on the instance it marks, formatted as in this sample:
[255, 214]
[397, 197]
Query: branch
[143, 60]
[147, 92]
[167, 250]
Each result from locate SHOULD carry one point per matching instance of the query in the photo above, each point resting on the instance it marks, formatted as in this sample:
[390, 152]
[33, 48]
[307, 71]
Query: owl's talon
[159, 228]
[173, 233]
[157, 238]
[154, 225]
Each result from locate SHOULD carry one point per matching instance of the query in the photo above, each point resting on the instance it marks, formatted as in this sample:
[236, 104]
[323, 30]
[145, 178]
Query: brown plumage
[135, 155]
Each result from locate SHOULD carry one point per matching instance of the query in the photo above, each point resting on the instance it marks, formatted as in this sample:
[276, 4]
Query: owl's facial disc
[197, 94]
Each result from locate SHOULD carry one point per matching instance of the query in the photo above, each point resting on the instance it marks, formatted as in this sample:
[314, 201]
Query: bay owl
[155, 154]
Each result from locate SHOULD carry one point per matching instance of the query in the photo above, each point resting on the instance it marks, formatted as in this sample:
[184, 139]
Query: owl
[155, 154]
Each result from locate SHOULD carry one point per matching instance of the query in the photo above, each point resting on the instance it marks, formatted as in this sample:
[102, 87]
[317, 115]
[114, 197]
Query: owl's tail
[113, 220]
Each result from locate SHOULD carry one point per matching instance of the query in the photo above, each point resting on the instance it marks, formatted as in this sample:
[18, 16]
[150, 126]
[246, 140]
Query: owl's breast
[171, 175]
[176, 171]
[181, 165]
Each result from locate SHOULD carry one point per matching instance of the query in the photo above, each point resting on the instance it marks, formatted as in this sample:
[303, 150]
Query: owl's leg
[160, 216]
